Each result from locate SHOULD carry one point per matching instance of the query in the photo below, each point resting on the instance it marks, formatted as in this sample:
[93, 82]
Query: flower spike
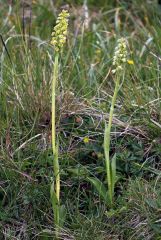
[59, 33]
[120, 55]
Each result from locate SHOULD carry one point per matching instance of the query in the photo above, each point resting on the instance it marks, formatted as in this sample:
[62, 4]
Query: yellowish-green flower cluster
[120, 55]
[60, 31]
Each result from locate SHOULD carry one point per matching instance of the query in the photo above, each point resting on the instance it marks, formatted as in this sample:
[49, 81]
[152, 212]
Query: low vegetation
[129, 208]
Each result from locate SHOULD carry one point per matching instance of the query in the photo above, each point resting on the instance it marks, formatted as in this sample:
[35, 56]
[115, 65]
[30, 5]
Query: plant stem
[107, 142]
[54, 145]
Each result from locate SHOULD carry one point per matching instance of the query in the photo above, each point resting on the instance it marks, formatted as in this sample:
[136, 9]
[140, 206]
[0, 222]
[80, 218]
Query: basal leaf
[100, 188]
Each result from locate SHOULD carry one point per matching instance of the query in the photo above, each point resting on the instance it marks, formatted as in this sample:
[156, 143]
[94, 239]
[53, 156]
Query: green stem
[107, 142]
[54, 145]
[54, 80]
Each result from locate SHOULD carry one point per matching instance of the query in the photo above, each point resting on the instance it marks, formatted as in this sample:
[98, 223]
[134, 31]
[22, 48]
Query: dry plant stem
[54, 145]
[107, 142]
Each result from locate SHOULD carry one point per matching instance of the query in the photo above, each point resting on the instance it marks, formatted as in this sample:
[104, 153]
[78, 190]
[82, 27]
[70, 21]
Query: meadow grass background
[84, 94]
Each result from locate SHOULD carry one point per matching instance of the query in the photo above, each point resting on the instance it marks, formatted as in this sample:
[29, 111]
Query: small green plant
[58, 40]
[119, 60]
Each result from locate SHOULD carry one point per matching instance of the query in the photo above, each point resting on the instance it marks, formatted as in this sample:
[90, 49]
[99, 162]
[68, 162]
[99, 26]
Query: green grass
[83, 102]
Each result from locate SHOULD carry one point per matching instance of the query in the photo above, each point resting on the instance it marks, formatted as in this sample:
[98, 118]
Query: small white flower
[119, 68]
[113, 71]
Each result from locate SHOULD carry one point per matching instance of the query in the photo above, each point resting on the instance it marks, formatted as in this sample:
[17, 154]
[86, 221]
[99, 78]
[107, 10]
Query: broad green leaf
[100, 188]
[80, 171]
[115, 212]
[62, 215]
[55, 204]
